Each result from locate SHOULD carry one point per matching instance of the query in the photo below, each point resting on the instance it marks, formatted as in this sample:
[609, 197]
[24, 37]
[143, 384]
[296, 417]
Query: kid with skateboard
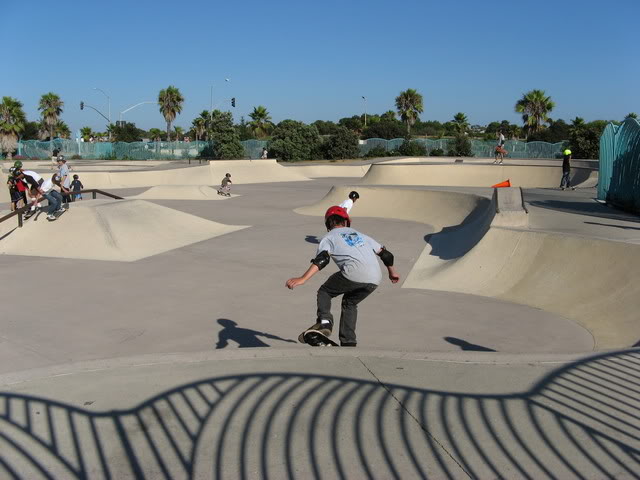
[225, 186]
[355, 254]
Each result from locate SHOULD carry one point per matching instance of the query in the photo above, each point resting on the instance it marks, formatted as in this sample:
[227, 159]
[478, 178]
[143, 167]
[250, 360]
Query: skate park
[160, 341]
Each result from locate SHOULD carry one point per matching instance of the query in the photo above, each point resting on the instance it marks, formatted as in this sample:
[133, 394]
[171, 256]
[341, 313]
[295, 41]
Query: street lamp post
[131, 108]
[365, 110]
[109, 104]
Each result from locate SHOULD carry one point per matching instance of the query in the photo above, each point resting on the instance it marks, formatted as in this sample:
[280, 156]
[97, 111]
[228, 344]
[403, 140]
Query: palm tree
[534, 107]
[409, 106]
[170, 100]
[12, 123]
[179, 131]
[199, 127]
[62, 130]
[388, 115]
[51, 107]
[86, 133]
[155, 134]
[261, 124]
[461, 122]
[632, 115]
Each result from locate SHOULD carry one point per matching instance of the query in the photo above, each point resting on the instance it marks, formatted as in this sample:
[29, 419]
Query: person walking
[565, 182]
[356, 256]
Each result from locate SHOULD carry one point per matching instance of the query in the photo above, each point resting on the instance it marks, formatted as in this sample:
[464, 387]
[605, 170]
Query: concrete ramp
[254, 171]
[472, 175]
[435, 208]
[4, 190]
[122, 230]
[182, 192]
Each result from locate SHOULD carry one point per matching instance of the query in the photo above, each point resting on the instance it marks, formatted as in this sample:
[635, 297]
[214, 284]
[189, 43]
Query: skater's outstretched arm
[387, 258]
[296, 281]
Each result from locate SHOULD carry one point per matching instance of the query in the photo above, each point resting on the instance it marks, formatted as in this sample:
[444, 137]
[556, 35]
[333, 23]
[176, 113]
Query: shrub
[342, 144]
[461, 146]
[585, 142]
[413, 149]
[437, 152]
[293, 141]
[377, 151]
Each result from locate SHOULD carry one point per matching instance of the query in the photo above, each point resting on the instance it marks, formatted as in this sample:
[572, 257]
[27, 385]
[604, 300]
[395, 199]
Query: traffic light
[233, 102]
[81, 105]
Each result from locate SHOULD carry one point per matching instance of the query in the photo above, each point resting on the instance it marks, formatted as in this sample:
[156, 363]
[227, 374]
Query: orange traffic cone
[504, 184]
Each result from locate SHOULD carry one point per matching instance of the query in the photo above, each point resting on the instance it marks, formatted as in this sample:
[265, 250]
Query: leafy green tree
[155, 134]
[326, 127]
[534, 106]
[461, 146]
[342, 144]
[413, 148]
[387, 129]
[558, 131]
[294, 141]
[50, 106]
[244, 130]
[30, 131]
[127, 133]
[170, 100]
[461, 122]
[86, 133]
[261, 123]
[388, 115]
[354, 123]
[226, 141]
[585, 139]
[409, 106]
[12, 124]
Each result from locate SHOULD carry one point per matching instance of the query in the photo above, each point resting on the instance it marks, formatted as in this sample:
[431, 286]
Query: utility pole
[365, 110]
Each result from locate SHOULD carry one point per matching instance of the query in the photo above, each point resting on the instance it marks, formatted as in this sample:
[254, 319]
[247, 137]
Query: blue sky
[315, 60]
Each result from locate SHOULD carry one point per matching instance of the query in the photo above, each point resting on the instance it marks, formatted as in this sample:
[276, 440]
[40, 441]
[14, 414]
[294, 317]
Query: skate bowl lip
[264, 354]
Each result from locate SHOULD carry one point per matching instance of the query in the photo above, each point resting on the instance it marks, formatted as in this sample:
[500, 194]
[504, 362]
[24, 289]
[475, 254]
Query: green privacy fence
[619, 176]
[253, 148]
[479, 148]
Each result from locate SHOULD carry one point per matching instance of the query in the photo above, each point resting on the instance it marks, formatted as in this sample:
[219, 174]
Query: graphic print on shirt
[352, 239]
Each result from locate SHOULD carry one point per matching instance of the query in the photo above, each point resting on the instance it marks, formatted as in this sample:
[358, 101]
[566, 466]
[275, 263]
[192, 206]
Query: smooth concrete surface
[184, 364]
[324, 416]
[181, 192]
[116, 230]
[472, 175]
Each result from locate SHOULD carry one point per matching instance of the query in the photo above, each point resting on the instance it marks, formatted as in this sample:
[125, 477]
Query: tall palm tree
[461, 122]
[261, 124]
[534, 106]
[12, 123]
[51, 108]
[199, 127]
[170, 100]
[388, 115]
[409, 106]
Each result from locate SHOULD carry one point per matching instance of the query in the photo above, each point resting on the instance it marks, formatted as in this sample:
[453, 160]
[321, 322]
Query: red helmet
[341, 212]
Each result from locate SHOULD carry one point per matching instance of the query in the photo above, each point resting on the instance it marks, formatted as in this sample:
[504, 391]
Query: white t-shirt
[347, 205]
[47, 185]
[354, 253]
[501, 139]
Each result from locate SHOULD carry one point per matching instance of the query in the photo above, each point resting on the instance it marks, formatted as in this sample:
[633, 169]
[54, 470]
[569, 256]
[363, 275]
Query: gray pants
[352, 294]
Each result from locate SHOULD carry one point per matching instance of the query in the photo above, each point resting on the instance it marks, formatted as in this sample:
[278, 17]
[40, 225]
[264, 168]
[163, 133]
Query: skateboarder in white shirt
[348, 203]
[355, 254]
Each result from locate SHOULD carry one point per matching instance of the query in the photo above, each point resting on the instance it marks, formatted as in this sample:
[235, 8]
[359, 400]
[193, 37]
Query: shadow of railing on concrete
[579, 421]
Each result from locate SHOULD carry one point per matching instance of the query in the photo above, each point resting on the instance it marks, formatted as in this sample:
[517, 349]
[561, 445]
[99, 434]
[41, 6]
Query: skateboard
[223, 194]
[317, 339]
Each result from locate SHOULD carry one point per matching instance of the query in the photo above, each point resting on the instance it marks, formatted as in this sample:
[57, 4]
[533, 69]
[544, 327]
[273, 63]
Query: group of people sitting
[27, 186]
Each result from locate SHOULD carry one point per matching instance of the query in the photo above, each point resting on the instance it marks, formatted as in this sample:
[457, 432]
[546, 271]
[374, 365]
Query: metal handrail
[93, 191]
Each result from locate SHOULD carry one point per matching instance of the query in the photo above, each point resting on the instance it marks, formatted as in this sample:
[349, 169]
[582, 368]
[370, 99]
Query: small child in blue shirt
[76, 188]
